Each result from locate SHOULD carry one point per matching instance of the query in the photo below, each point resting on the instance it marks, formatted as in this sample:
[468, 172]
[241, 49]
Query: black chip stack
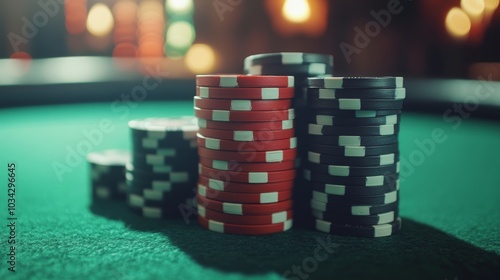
[353, 156]
[108, 173]
[161, 177]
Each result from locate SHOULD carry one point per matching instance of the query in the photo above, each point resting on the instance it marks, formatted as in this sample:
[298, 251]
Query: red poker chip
[236, 187]
[271, 125]
[249, 156]
[268, 219]
[265, 93]
[220, 227]
[248, 177]
[242, 104]
[247, 167]
[245, 146]
[254, 198]
[241, 116]
[243, 209]
[238, 81]
[247, 135]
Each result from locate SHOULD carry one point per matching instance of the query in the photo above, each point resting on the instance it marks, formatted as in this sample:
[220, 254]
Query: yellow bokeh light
[179, 6]
[491, 5]
[473, 7]
[200, 58]
[457, 22]
[296, 11]
[100, 20]
[180, 34]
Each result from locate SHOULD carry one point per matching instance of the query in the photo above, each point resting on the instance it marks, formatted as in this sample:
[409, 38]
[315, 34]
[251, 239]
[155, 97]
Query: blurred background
[420, 39]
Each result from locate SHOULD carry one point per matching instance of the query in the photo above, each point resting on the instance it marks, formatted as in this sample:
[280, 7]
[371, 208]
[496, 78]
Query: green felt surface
[450, 204]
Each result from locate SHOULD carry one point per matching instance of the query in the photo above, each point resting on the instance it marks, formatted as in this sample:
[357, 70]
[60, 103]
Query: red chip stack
[247, 150]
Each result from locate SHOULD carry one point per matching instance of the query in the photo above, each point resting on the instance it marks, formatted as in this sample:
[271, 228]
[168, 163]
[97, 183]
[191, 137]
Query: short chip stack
[353, 155]
[161, 177]
[247, 149]
[301, 66]
[108, 173]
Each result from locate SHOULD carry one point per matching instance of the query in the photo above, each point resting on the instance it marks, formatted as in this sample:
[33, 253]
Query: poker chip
[368, 181]
[247, 135]
[252, 177]
[107, 170]
[287, 59]
[247, 146]
[340, 121]
[386, 198]
[241, 104]
[234, 81]
[310, 69]
[250, 156]
[353, 140]
[243, 208]
[373, 93]
[356, 113]
[247, 167]
[334, 218]
[381, 160]
[379, 130]
[227, 186]
[346, 171]
[274, 218]
[356, 82]
[162, 172]
[381, 230]
[246, 93]
[354, 104]
[242, 116]
[354, 151]
[356, 210]
[357, 191]
[221, 227]
[249, 198]
[260, 126]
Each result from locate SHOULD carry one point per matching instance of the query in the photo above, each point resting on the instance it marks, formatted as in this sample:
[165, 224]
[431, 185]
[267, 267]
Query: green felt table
[450, 204]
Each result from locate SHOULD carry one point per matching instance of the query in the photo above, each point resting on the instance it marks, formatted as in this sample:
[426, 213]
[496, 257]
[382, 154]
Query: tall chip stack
[161, 177]
[301, 66]
[108, 174]
[247, 149]
[353, 155]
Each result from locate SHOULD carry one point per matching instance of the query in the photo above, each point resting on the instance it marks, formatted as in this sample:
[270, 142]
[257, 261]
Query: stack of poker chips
[353, 156]
[161, 177]
[247, 149]
[107, 169]
[301, 66]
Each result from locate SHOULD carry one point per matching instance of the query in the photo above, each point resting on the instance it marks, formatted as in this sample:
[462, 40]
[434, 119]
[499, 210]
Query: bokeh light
[296, 11]
[474, 8]
[100, 20]
[457, 22]
[491, 5]
[179, 6]
[200, 58]
[180, 34]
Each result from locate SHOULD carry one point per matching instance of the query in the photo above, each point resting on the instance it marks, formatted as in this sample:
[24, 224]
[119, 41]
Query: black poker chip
[373, 231]
[381, 160]
[354, 113]
[342, 121]
[353, 140]
[354, 171]
[335, 218]
[355, 104]
[386, 198]
[354, 151]
[343, 190]
[376, 130]
[311, 69]
[368, 181]
[356, 210]
[356, 82]
[287, 59]
[372, 93]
